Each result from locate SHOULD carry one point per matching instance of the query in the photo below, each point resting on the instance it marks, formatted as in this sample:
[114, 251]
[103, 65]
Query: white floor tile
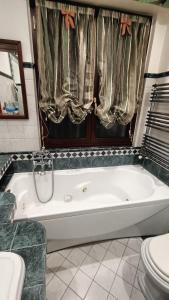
[131, 257]
[117, 248]
[105, 244]
[67, 271]
[55, 289]
[127, 272]
[123, 241]
[111, 297]
[70, 295]
[86, 248]
[54, 261]
[106, 270]
[135, 244]
[90, 266]
[49, 276]
[136, 285]
[111, 261]
[97, 252]
[96, 293]
[105, 278]
[136, 295]
[80, 284]
[76, 256]
[121, 289]
[141, 266]
[65, 252]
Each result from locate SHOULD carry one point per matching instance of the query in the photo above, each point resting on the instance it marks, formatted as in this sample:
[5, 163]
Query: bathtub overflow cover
[68, 198]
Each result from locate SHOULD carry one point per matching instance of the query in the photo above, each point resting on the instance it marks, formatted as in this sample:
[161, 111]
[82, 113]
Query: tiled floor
[101, 271]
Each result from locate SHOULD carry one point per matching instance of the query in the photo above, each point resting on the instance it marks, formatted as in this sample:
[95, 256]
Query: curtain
[66, 60]
[122, 42]
[163, 3]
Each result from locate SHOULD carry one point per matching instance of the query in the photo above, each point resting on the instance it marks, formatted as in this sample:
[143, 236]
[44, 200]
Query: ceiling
[128, 5]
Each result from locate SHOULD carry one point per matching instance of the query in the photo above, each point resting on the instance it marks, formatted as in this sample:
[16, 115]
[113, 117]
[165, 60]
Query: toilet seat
[152, 265]
[159, 253]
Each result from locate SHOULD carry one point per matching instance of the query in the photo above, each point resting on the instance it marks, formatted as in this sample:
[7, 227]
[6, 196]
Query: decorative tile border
[156, 75]
[5, 166]
[83, 153]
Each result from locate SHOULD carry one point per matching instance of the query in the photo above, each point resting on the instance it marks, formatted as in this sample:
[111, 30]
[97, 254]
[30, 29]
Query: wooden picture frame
[16, 107]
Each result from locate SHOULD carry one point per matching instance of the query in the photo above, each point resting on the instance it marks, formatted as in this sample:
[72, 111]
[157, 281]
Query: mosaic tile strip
[28, 65]
[83, 153]
[5, 166]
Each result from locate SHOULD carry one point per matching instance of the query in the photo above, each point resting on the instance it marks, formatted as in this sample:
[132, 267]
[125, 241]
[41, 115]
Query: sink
[12, 274]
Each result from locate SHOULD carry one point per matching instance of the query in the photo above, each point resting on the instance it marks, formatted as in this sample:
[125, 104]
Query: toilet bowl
[155, 256]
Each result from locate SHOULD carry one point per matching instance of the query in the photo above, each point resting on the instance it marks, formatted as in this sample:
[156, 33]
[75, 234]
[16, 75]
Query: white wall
[4, 63]
[19, 135]
[157, 62]
[24, 135]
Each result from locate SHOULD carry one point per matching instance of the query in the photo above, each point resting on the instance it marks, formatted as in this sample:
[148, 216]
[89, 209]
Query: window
[123, 46]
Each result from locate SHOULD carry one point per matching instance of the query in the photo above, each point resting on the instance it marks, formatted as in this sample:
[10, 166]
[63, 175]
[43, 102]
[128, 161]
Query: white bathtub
[94, 204]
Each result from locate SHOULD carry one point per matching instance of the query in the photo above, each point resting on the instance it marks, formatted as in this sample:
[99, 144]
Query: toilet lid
[159, 253]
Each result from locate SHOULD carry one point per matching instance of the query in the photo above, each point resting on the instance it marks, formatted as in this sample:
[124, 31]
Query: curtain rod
[32, 5]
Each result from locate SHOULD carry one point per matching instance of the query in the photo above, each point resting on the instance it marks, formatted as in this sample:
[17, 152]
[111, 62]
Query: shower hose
[36, 189]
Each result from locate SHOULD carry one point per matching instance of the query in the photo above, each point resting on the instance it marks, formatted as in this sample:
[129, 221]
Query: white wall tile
[28, 73]
[30, 87]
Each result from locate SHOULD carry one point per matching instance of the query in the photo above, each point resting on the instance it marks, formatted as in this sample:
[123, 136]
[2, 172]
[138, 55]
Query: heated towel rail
[156, 146]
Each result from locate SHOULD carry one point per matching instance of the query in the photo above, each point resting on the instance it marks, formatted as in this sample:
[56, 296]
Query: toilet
[12, 275]
[154, 283]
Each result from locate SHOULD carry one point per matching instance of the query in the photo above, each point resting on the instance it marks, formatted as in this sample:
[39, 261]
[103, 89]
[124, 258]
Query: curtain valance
[63, 6]
[163, 3]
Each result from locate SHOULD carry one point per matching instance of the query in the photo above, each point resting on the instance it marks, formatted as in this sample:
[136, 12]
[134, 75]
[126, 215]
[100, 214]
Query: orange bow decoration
[69, 18]
[125, 25]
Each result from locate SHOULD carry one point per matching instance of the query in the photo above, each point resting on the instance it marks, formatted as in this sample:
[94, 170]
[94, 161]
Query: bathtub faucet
[42, 159]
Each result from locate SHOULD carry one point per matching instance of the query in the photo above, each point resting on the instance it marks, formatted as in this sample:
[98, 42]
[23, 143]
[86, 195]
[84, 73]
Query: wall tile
[29, 73]
[30, 87]
[29, 233]
[37, 292]
[7, 232]
[35, 267]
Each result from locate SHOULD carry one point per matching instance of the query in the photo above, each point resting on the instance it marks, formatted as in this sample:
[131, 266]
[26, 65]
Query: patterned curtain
[122, 42]
[163, 3]
[66, 59]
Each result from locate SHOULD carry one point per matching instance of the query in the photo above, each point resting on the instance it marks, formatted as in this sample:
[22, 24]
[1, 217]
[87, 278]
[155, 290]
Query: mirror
[13, 102]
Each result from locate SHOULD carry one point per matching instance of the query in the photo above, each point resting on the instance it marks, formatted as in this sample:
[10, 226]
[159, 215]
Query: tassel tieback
[125, 25]
[69, 18]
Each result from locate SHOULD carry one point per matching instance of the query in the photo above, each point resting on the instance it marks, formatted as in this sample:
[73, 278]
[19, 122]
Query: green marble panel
[151, 167]
[34, 293]
[35, 263]
[163, 175]
[7, 233]
[21, 166]
[6, 211]
[4, 181]
[29, 233]
[3, 159]
[7, 198]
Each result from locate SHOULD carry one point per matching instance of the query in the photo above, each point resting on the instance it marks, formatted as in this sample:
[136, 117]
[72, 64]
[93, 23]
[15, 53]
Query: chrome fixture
[42, 160]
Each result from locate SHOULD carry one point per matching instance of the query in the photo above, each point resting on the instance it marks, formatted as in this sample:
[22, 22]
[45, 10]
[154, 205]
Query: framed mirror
[13, 102]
